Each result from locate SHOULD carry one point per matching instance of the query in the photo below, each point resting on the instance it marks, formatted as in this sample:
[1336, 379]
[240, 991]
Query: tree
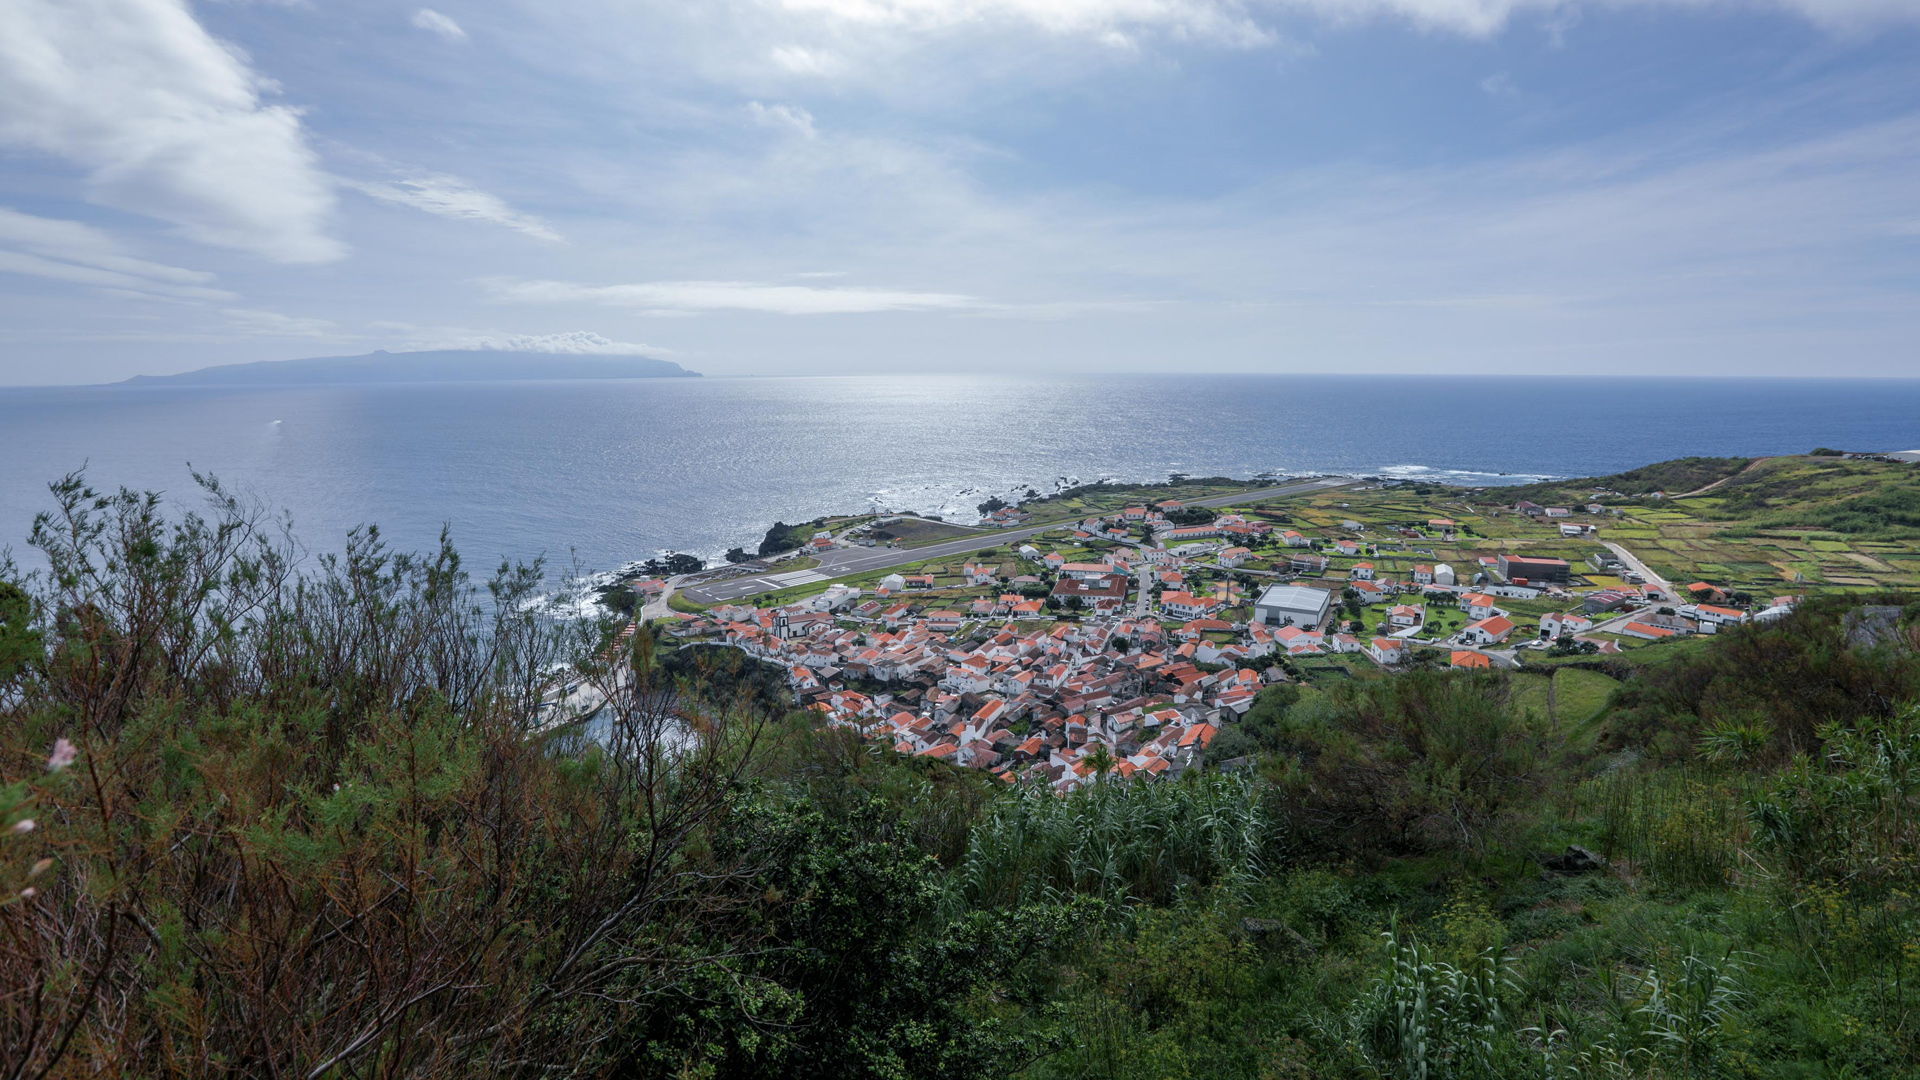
[1100, 760]
[357, 850]
[857, 974]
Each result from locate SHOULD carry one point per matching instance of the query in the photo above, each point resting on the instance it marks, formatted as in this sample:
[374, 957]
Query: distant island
[441, 365]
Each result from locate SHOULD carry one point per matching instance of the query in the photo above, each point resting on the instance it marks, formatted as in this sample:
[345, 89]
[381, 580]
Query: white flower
[63, 755]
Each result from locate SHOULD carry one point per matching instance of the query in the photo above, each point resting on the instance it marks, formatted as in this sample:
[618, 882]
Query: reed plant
[1116, 840]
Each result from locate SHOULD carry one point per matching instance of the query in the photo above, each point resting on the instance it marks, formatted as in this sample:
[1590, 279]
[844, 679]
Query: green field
[1770, 525]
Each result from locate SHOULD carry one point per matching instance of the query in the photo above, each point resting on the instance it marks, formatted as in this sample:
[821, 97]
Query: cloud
[800, 60]
[1220, 21]
[732, 296]
[256, 323]
[1239, 22]
[568, 343]
[435, 23]
[452, 197]
[1480, 18]
[791, 117]
[167, 121]
[83, 255]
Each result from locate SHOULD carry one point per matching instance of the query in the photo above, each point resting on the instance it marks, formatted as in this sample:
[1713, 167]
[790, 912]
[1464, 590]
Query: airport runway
[848, 562]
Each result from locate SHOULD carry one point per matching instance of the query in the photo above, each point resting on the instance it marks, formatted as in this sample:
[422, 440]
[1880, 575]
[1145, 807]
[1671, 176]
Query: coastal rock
[1872, 626]
[1577, 860]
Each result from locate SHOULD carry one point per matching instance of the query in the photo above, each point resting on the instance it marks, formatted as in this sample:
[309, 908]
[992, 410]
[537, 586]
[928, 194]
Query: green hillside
[1675, 477]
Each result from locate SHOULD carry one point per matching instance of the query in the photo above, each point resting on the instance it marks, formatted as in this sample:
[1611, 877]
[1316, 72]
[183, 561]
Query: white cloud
[1483, 17]
[791, 117]
[800, 60]
[255, 323]
[1223, 21]
[452, 197]
[167, 121]
[435, 23]
[568, 343]
[1238, 22]
[83, 255]
[732, 295]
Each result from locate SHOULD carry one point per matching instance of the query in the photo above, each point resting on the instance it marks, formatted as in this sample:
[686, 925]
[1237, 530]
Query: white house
[1478, 606]
[1387, 650]
[1442, 574]
[893, 583]
[1719, 616]
[978, 574]
[1559, 624]
[1422, 574]
[1294, 539]
[1490, 631]
[1361, 572]
[1185, 606]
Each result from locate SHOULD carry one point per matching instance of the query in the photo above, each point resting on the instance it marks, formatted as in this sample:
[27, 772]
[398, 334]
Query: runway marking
[798, 577]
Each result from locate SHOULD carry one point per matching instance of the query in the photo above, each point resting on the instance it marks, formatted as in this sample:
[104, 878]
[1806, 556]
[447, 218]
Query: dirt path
[1751, 465]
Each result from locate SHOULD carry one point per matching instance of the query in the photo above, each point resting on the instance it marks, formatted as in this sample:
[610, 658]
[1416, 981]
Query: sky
[792, 187]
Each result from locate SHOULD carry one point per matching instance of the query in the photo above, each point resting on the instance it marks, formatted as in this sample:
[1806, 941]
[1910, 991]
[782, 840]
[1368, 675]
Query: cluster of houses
[1040, 703]
[995, 682]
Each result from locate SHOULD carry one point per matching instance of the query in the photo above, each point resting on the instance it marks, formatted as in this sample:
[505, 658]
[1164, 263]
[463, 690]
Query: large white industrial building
[1292, 605]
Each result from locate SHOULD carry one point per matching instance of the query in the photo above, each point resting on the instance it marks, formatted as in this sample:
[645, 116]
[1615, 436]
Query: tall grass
[1684, 829]
[1120, 841]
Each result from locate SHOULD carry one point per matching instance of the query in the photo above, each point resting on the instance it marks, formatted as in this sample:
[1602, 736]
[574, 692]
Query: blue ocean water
[613, 471]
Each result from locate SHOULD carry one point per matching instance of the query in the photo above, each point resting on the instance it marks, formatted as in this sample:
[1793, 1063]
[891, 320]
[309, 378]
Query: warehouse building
[1292, 605]
[1534, 570]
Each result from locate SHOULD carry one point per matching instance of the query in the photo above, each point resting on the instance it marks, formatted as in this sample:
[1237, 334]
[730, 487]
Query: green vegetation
[1771, 525]
[318, 822]
[1676, 477]
[918, 532]
[784, 537]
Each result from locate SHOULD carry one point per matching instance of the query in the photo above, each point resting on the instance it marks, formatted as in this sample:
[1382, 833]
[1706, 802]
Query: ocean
[603, 473]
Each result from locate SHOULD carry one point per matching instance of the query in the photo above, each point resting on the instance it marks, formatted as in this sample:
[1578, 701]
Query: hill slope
[447, 365]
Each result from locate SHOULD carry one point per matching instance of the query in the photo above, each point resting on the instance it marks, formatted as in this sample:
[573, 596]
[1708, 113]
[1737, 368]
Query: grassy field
[916, 532]
[1769, 525]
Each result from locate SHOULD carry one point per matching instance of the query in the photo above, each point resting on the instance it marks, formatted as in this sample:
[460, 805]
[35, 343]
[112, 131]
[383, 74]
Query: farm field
[1773, 524]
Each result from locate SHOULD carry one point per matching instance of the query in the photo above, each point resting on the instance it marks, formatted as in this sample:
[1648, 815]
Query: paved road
[1645, 571]
[846, 562]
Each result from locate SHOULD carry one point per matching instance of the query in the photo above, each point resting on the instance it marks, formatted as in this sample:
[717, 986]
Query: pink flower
[63, 755]
[24, 825]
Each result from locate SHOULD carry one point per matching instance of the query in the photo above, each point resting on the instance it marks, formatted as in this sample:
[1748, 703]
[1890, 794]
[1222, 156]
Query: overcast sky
[843, 186]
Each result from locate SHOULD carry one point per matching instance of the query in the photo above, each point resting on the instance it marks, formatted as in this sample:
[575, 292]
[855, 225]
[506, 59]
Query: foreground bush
[260, 820]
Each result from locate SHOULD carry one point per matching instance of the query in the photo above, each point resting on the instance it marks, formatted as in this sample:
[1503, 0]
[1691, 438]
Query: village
[1124, 641]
